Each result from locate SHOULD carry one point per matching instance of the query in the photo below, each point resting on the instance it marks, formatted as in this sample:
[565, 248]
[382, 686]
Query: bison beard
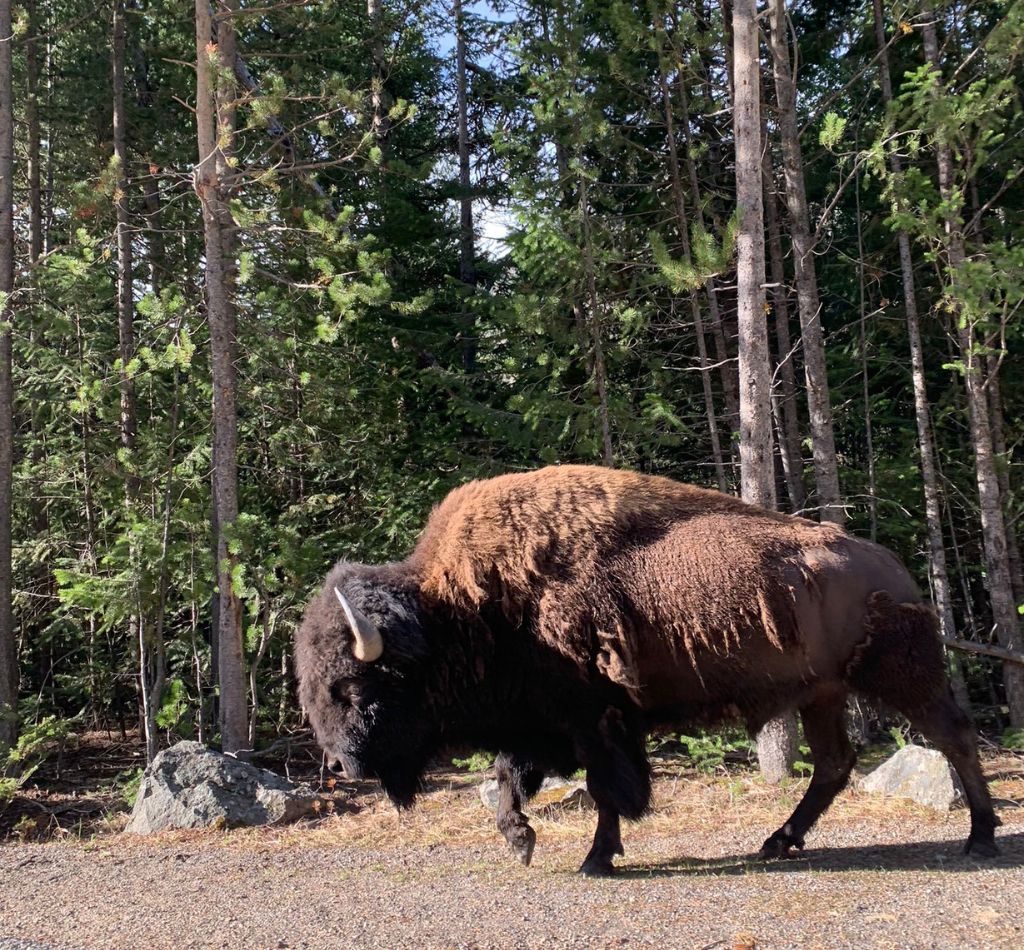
[558, 616]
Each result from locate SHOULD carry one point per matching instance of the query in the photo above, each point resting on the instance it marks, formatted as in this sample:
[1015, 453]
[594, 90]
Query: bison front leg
[619, 781]
[518, 780]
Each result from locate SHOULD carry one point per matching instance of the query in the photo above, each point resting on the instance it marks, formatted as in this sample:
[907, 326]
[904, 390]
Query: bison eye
[341, 692]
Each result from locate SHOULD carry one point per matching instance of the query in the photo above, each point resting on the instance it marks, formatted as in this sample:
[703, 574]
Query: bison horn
[369, 644]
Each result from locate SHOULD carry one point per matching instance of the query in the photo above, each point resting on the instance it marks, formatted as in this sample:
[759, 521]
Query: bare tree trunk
[8, 646]
[35, 197]
[467, 250]
[593, 323]
[682, 227]
[88, 556]
[727, 367]
[1003, 461]
[268, 620]
[941, 588]
[380, 101]
[137, 632]
[156, 249]
[45, 593]
[215, 131]
[776, 742]
[826, 471]
[993, 527]
[758, 484]
[869, 431]
[789, 427]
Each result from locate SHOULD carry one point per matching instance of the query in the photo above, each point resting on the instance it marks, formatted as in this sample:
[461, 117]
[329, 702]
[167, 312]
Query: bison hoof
[597, 867]
[982, 846]
[523, 840]
[780, 845]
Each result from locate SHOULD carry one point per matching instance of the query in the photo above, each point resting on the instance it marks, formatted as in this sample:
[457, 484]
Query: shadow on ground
[916, 856]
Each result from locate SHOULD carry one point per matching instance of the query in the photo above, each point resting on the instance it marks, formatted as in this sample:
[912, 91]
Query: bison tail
[900, 660]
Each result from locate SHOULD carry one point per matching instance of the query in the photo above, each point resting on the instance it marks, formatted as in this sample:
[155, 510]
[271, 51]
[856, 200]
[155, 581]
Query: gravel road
[874, 876]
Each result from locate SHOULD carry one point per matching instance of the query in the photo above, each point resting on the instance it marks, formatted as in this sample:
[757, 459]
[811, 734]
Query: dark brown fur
[557, 615]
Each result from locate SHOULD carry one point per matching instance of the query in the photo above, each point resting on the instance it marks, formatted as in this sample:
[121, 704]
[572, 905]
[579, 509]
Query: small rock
[489, 793]
[920, 774]
[191, 786]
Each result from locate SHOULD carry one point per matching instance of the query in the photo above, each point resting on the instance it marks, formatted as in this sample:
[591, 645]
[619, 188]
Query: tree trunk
[137, 632]
[789, 425]
[1003, 462]
[35, 196]
[593, 323]
[682, 226]
[756, 468]
[869, 429]
[379, 99]
[45, 593]
[941, 589]
[826, 471]
[156, 250]
[215, 113]
[727, 367]
[8, 646]
[776, 742]
[993, 527]
[467, 250]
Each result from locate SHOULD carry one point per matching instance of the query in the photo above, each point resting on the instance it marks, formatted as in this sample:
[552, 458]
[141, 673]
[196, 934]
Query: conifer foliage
[275, 277]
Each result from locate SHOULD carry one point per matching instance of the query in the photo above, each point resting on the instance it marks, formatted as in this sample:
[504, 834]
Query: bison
[556, 617]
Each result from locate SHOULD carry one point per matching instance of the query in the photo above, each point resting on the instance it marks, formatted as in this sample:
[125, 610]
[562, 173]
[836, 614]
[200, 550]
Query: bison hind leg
[824, 722]
[901, 665]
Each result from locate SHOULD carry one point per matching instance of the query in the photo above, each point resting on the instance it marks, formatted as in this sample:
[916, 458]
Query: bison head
[360, 656]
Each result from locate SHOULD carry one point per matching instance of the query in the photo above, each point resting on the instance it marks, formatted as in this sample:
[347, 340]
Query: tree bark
[789, 425]
[682, 226]
[44, 591]
[8, 646]
[467, 250]
[993, 527]
[1003, 463]
[941, 588]
[756, 463]
[869, 428]
[380, 99]
[215, 121]
[35, 196]
[156, 250]
[727, 366]
[137, 632]
[593, 323]
[776, 742]
[826, 471]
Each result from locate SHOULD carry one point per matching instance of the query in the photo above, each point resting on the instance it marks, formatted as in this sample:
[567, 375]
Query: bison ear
[368, 644]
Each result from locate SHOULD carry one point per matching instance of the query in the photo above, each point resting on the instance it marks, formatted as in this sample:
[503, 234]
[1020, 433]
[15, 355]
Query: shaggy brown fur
[614, 568]
[557, 615]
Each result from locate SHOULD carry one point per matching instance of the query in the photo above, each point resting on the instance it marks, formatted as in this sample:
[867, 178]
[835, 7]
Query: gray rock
[488, 790]
[553, 791]
[190, 786]
[923, 775]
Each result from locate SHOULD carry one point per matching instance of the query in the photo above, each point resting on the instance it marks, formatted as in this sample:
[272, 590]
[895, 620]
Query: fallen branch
[969, 646]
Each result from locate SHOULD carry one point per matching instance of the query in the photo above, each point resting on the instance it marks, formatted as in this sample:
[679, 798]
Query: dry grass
[718, 805]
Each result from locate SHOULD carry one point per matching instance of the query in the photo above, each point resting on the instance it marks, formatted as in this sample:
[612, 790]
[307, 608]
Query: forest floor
[876, 873]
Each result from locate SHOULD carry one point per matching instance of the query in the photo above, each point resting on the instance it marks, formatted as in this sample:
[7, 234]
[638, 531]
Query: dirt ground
[875, 874]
